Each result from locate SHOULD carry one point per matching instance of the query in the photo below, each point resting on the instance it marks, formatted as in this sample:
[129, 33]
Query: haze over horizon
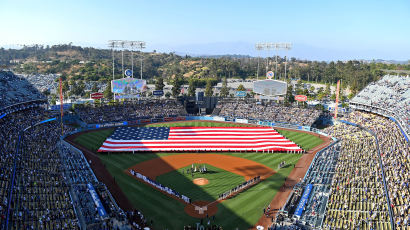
[319, 30]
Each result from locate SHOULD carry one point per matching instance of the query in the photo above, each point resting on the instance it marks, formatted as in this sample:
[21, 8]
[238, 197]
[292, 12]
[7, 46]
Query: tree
[320, 96]
[159, 84]
[65, 87]
[168, 95]
[176, 87]
[299, 87]
[320, 90]
[95, 88]
[53, 99]
[224, 89]
[327, 91]
[351, 95]
[240, 88]
[289, 96]
[107, 92]
[191, 88]
[208, 89]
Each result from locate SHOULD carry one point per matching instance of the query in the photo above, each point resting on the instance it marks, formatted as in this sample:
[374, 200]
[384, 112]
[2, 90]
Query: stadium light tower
[274, 46]
[140, 47]
[258, 47]
[123, 45]
[287, 47]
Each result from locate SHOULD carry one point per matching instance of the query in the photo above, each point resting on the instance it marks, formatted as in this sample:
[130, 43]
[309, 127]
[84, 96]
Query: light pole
[274, 46]
[123, 44]
[140, 46]
[258, 47]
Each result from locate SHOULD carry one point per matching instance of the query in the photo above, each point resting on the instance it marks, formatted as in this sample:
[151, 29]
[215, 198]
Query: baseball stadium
[194, 121]
[249, 164]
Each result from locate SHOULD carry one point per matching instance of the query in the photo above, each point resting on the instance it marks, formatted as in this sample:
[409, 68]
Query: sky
[318, 29]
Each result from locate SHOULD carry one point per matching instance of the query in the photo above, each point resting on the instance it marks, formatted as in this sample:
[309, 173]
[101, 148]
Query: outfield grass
[305, 140]
[94, 139]
[241, 212]
[220, 181]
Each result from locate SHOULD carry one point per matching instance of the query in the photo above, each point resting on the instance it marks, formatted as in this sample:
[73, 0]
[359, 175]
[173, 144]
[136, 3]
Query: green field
[241, 212]
[94, 139]
[304, 140]
[220, 181]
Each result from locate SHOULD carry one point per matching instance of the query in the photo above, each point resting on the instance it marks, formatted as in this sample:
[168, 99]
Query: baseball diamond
[227, 171]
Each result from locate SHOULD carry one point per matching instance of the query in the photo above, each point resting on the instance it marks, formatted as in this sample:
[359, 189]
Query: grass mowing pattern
[93, 140]
[242, 211]
[304, 140]
[220, 181]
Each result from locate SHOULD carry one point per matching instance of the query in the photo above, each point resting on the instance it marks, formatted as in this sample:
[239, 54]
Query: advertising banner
[154, 120]
[240, 120]
[301, 98]
[219, 118]
[303, 200]
[241, 93]
[158, 92]
[96, 95]
[180, 118]
[97, 201]
[169, 119]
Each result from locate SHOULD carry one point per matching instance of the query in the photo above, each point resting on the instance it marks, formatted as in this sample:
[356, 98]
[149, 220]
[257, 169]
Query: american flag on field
[227, 139]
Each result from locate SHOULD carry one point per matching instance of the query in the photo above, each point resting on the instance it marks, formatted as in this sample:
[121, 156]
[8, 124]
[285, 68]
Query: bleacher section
[390, 96]
[128, 111]
[270, 111]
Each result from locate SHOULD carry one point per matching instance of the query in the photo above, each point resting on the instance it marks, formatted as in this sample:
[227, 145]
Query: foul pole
[61, 106]
[337, 98]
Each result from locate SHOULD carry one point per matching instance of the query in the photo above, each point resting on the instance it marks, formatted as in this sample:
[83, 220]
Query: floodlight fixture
[276, 46]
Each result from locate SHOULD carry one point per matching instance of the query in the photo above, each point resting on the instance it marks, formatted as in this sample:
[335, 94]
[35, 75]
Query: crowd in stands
[50, 185]
[395, 154]
[42, 82]
[369, 175]
[128, 111]
[39, 198]
[269, 111]
[392, 92]
[15, 89]
[357, 198]
[40, 195]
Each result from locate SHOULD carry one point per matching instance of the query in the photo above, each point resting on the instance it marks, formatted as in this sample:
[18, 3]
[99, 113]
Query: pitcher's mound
[201, 181]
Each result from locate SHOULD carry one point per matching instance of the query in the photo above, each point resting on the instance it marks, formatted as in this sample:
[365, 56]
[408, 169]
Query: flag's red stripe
[205, 127]
[218, 134]
[199, 147]
[193, 142]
